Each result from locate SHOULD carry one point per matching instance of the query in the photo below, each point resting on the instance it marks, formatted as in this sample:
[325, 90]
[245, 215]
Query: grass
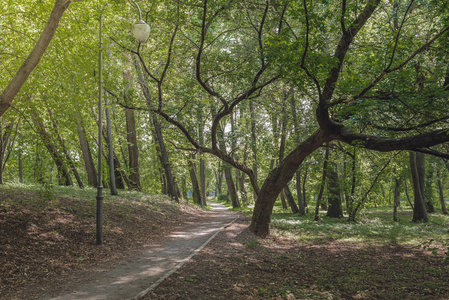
[374, 226]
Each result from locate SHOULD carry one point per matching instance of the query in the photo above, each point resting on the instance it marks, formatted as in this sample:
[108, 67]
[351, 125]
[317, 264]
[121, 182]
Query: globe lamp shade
[141, 31]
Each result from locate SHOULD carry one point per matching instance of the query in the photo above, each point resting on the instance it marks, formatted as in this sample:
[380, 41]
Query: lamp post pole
[100, 195]
[141, 32]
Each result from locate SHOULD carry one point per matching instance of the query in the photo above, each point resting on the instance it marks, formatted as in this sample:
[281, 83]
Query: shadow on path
[134, 277]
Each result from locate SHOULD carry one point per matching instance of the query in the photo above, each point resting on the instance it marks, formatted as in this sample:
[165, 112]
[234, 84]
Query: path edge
[179, 265]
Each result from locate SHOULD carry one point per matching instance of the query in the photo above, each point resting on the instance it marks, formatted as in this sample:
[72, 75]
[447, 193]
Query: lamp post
[141, 32]
[100, 195]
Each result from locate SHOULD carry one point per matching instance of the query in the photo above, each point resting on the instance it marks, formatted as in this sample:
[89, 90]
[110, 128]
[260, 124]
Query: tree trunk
[428, 191]
[253, 141]
[89, 164]
[283, 202]
[5, 133]
[301, 203]
[304, 189]
[323, 183]
[111, 165]
[170, 181]
[232, 192]
[219, 181]
[334, 200]
[277, 179]
[20, 166]
[288, 195]
[196, 192]
[202, 161]
[64, 149]
[63, 174]
[417, 166]
[440, 190]
[131, 134]
[396, 200]
[34, 57]
[133, 151]
[231, 187]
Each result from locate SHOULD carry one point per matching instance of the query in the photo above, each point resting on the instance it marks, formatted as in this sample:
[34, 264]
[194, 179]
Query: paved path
[135, 277]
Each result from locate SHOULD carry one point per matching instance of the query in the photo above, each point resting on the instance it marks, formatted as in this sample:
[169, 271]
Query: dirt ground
[238, 265]
[41, 249]
[43, 246]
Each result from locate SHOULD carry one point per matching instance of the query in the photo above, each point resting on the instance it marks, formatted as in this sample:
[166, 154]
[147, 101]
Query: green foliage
[374, 227]
[223, 198]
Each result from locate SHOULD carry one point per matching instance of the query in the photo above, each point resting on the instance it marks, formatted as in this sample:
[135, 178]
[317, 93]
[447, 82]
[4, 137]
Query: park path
[136, 276]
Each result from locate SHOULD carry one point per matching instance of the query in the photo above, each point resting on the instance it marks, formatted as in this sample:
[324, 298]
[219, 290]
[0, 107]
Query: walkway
[135, 277]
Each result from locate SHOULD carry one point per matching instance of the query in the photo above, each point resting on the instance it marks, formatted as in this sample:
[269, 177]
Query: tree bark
[288, 195]
[63, 173]
[131, 134]
[277, 179]
[202, 161]
[334, 201]
[253, 141]
[428, 191]
[89, 164]
[301, 203]
[133, 151]
[196, 191]
[64, 149]
[440, 191]
[419, 207]
[5, 133]
[232, 192]
[112, 181]
[396, 200]
[323, 183]
[34, 57]
[170, 181]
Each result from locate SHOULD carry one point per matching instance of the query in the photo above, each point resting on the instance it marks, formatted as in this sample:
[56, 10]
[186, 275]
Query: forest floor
[45, 243]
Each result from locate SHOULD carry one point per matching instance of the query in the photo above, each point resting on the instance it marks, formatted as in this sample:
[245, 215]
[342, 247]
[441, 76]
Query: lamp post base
[100, 197]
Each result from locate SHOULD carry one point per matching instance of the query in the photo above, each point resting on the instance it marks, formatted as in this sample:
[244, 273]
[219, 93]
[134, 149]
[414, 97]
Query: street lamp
[100, 195]
[141, 32]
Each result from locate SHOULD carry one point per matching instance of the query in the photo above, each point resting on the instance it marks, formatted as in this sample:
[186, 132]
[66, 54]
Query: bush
[223, 197]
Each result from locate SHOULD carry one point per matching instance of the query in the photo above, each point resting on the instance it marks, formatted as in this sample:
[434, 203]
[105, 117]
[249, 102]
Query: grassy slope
[46, 234]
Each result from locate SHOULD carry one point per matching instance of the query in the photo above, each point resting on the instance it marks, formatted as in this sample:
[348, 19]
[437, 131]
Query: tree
[11, 90]
[417, 169]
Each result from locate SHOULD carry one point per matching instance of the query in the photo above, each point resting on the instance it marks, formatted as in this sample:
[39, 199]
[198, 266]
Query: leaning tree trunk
[196, 191]
[64, 149]
[419, 207]
[89, 164]
[170, 180]
[28, 65]
[277, 179]
[64, 177]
